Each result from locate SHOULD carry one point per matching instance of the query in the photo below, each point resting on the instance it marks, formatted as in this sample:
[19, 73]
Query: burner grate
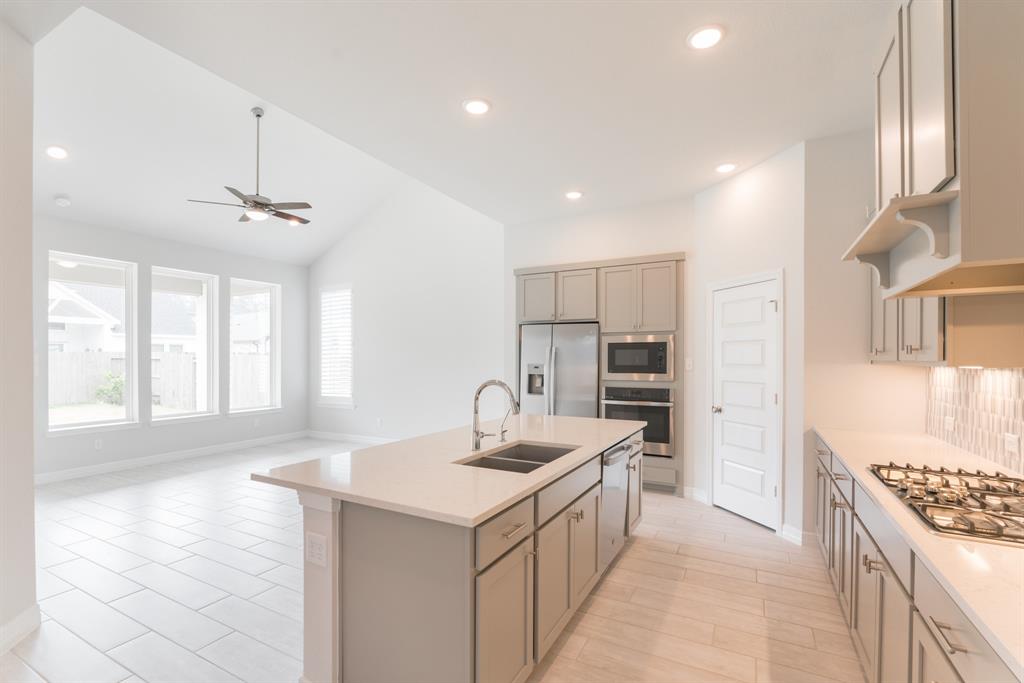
[974, 504]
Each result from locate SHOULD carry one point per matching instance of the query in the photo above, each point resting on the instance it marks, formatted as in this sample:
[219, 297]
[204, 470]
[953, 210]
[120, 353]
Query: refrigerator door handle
[547, 382]
[554, 350]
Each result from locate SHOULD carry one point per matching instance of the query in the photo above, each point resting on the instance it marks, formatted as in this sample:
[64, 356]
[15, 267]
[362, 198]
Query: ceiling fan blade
[289, 217]
[244, 218]
[236, 193]
[291, 205]
[203, 201]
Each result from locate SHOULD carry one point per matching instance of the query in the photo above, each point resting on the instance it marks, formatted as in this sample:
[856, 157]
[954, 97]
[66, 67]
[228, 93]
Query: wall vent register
[975, 504]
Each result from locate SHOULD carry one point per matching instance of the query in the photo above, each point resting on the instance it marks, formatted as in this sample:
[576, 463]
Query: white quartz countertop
[985, 579]
[422, 477]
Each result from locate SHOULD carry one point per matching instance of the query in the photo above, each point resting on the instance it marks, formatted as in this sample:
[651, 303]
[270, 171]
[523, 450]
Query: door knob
[716, 409]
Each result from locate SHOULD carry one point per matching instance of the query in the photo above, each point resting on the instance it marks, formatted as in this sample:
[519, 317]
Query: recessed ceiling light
[725, 168]
[574, 195]
[257, 214]
[56, 152]
[476, 107]
[67, 264]
[62, 200]
[705, 37]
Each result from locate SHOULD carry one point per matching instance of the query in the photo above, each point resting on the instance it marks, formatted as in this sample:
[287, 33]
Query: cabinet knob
[716, 409]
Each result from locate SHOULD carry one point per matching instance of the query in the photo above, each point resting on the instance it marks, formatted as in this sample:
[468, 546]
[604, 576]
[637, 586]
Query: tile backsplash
[985, 405]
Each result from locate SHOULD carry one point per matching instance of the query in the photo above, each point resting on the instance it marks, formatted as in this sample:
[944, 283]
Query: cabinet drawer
[896, 551]
[971, 655]
[844, 482]
[823, 453]
[499, 534]
[567, 489]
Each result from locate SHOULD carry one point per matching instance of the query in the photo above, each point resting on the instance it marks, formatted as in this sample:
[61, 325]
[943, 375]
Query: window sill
[183, 419]
[71, 430]
[255, 411]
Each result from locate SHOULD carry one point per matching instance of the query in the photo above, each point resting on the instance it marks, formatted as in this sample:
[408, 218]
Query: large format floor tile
[189, 572]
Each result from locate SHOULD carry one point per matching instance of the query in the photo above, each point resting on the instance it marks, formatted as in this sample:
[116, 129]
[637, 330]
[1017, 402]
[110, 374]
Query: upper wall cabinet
[536, 298]
[949, 149]
[637, 298]
[576, 294]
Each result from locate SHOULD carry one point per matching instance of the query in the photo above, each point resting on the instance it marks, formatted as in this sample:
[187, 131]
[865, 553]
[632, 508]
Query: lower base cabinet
[567, 566]
[893, 640]
[504, 618]
[636, 474]
[929, 662]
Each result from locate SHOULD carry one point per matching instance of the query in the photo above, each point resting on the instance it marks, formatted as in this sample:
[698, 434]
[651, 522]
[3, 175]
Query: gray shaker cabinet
[929, 663]
[633, 501]
[536, 298]
[504, 618]
[585, 567]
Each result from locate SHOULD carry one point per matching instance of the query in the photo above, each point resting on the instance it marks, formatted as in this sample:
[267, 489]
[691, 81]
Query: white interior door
[745, 408]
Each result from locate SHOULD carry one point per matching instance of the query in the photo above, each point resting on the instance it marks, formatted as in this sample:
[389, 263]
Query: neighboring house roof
[68, 305]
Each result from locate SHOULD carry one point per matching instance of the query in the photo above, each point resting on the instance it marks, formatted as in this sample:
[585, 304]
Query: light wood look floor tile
[690, 573]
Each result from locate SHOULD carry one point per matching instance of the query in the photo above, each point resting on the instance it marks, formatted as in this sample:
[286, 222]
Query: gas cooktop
[984, 507]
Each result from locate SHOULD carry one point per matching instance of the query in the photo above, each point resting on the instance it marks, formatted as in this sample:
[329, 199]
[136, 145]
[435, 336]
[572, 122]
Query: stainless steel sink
[519, 457]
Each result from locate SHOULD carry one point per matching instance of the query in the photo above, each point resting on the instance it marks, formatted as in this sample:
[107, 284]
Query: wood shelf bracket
[933, 221]
[880, 262]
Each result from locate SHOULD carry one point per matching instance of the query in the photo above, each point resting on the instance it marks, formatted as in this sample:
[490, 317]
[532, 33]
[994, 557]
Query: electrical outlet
[98, 444]
[1012, 443]
[948, 423]
[688, 364]
[316, 549]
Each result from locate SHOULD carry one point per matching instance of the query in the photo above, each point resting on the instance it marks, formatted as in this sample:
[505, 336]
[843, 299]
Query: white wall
[425, 273]
[75, 449]
[842, 390]
[752, 223]
[18, 611]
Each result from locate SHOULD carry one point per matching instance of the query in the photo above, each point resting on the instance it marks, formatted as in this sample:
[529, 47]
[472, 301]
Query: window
[255, 345]
[182, 343]
[91, 337]
[336, 346]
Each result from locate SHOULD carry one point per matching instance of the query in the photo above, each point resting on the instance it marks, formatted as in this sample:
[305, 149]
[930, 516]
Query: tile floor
[191, 572]
[181, 572]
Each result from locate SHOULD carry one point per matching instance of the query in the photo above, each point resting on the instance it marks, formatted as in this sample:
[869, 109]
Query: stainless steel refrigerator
[558, 369]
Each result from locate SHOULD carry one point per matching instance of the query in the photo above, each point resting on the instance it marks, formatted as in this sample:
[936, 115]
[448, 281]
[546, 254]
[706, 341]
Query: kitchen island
[428, 561]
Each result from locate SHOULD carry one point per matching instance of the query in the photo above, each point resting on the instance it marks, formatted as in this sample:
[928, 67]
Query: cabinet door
[821, 510]
[536, 297]
[893, 639]
[864, 596]
[577, 295]
[884, 324]
[839, 548]
[928, 89]
[635, 489]
[504, 618]
[554, 581]
[656, 303]
[616, 295]
[922, 336]
[889, 115]
[585, 565]
[928, 662]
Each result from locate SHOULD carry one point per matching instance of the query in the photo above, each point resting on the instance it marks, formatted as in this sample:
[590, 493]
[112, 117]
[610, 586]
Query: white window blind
[336, 345]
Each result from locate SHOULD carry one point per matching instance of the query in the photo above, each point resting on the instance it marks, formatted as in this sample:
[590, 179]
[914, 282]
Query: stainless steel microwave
[638, 357]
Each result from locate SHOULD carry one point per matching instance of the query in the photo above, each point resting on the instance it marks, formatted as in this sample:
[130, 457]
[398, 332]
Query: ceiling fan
[256, 207]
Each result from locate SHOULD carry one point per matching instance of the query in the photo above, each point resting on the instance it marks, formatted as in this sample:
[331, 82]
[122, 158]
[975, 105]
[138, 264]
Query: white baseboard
[699, 495]
[17, 628]
[354, 438]
[794, 535]
[131, 463]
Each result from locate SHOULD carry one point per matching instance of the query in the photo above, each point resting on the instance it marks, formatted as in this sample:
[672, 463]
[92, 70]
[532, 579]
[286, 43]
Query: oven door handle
[655, 404]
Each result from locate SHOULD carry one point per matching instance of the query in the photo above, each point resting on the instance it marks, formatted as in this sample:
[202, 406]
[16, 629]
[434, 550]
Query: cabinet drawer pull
[951, 647]
[821, 451]
[632, 467]
[840, 477]
[872, 565]
[839, 505]
[513, 531]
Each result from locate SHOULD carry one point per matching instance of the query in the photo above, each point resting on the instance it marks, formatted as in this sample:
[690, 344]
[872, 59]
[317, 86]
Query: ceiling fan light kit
[256, 207]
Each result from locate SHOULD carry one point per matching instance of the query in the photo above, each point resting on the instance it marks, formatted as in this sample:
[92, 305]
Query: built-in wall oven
[638, 357]
[653, 405]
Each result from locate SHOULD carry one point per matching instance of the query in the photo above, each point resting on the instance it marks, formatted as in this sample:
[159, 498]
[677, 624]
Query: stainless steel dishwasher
[614, 493]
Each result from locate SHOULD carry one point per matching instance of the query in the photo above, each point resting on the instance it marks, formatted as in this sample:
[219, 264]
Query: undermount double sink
[519, 457]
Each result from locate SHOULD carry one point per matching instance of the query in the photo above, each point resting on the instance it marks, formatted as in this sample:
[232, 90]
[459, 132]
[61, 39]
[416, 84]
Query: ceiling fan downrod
[258, 113]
